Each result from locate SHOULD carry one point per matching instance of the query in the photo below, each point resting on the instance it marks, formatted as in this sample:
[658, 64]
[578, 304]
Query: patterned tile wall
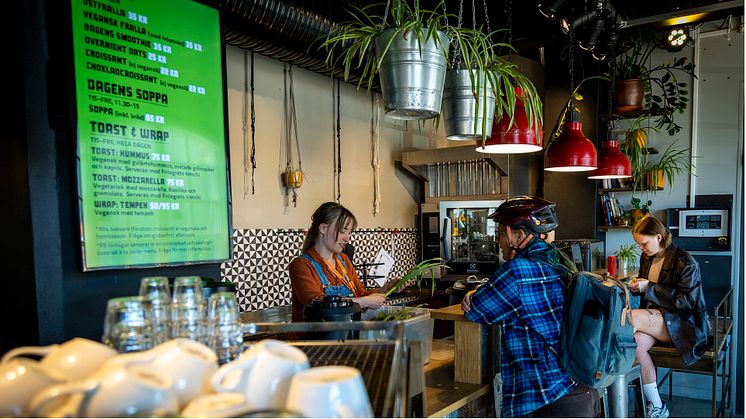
[261, 257]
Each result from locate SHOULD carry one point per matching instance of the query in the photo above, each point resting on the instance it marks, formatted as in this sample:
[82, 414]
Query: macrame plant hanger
[375, 162]
[337, 153]
[248, 162]
[292, 177]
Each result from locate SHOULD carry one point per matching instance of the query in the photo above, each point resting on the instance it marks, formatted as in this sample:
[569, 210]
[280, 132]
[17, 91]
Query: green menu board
[152, 171]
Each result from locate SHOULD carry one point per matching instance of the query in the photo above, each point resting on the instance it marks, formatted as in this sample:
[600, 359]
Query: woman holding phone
[672, 307]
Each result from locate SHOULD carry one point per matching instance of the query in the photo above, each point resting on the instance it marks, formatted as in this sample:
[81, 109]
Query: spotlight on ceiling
[584, 19]
[589, 42]
[550, 8]
[676, 38]
[608, 37]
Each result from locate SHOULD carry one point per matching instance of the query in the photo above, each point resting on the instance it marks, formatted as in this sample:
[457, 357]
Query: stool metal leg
[618, 394]
[618, 397]
[603, 394]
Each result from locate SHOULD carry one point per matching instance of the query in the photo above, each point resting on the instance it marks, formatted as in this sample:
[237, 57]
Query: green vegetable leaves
[429, 265]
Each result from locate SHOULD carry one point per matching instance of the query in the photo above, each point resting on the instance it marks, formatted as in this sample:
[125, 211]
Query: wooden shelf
[612, 228]
[633, 114]
[603, 190]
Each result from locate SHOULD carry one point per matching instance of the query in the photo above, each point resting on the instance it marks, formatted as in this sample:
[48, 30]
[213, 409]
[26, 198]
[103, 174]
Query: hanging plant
[352, 45]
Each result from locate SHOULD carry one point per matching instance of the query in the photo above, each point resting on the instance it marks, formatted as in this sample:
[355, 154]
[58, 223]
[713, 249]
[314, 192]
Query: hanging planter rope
[249, 157]
[376, 153]
[293, 175]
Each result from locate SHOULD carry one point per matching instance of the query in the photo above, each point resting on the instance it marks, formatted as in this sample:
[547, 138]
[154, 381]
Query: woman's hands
[466, 302]
[638, 284]
[372, 301]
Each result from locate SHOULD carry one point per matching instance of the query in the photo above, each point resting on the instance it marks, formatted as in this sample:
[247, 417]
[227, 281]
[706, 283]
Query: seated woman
[323, 268]
[673, 306]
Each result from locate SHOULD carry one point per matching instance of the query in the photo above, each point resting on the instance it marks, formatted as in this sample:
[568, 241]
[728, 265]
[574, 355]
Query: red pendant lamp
[612, 163]
[516, 139]
[571, 151]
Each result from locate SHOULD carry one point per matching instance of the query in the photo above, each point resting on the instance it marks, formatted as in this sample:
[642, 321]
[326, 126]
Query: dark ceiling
[289, 30]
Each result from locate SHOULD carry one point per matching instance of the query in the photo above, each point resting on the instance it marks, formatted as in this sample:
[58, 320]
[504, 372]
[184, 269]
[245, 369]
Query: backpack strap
[627, 310]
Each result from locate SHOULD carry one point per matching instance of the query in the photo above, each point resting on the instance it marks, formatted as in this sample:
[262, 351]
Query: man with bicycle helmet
[526, 297]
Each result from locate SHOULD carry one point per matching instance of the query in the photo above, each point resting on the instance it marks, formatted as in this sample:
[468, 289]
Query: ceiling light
[676, 38]
[516, 139]
[578, 23]
[612, 163]
[589, 43]
[571, 151]
[550, 8]
[607, 41]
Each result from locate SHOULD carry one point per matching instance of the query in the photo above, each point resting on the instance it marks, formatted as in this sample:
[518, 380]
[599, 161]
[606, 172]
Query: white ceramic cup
[113, 391]
[20, 380]
[188, 363]
[73, 360]
[262, 374]
[331, 392]
[216, 405]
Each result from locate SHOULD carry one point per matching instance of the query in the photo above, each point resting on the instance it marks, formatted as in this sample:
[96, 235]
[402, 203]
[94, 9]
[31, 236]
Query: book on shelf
[611, 208]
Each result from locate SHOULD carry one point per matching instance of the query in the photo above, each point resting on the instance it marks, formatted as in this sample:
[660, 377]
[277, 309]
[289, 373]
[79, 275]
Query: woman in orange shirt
[323, 269]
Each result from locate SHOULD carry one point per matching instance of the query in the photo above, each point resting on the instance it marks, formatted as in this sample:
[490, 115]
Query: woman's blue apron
[340, 290]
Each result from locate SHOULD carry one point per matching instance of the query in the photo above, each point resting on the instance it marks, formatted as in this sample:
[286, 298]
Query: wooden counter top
[621, 275]
[453, 312]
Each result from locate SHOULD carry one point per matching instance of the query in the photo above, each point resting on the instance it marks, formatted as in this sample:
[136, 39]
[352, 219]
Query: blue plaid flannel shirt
[526, 295]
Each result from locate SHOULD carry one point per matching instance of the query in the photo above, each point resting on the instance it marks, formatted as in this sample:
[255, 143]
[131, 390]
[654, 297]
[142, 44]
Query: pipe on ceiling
[276, 29]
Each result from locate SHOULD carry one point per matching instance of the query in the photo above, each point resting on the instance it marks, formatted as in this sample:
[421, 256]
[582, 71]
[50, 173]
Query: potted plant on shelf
[639, 209]
[673, 162]
[635, 143]
[658, 85]
[628, 256]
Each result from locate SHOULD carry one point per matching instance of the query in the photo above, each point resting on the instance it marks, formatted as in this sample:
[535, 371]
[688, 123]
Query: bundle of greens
[398, 315]
[429, 265]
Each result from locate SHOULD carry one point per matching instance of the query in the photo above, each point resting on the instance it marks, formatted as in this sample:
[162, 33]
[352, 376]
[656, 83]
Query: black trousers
[582, 402]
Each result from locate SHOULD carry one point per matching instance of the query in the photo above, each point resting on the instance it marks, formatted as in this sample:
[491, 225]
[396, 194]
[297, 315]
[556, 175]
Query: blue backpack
[597, 337]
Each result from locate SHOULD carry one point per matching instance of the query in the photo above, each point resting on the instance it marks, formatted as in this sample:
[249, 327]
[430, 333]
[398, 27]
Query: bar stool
[618, 394]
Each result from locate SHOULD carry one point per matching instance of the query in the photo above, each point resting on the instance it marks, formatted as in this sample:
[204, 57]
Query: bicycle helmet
[527, 212]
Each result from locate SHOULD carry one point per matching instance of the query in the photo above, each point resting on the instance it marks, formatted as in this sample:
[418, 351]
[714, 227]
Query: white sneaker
[656, 412]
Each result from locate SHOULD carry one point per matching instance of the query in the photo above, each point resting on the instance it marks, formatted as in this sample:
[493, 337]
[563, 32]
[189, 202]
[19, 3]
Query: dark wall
[574, 193]
[48, 297]
[19, 300]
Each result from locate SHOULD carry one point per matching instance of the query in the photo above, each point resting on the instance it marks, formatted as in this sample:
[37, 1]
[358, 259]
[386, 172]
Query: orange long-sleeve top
[307, 284]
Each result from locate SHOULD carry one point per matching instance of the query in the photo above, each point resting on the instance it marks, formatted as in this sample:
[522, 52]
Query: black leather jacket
[678, 294]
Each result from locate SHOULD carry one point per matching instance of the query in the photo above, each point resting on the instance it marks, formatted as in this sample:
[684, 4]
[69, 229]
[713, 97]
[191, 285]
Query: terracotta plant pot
[628, 95]
[637, 215]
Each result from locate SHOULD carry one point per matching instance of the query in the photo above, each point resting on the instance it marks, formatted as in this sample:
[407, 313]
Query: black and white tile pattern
[261, 257]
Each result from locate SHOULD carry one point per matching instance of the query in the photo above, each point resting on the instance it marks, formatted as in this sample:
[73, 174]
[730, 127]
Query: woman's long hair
[331, 214]
[650, 226]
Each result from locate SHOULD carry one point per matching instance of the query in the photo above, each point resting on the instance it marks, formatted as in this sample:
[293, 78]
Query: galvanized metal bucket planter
[412, 75]
[466, 115]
